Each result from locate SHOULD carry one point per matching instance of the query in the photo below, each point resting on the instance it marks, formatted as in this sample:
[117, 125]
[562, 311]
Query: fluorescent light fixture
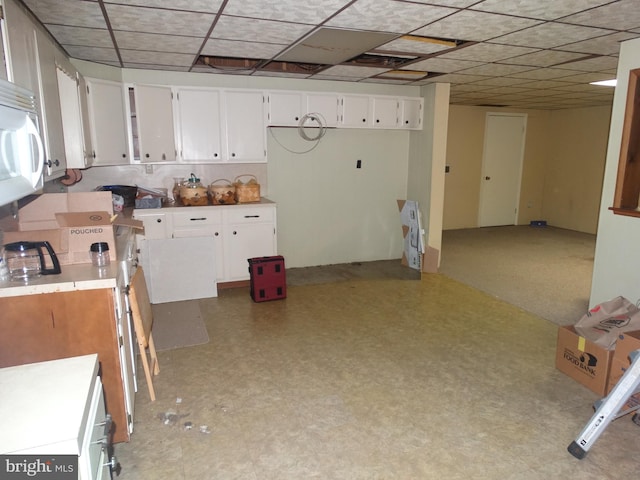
[605, 83]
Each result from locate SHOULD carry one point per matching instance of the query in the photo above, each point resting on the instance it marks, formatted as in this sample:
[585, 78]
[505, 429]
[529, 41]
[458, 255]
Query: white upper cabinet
[385, 112]
[107, 122]
[356, 111]
[21, 46]
[51, 118]
[285, 108]
[198, 125]
[327, 105]
[244, 126]
[411, 113]
[152, 114]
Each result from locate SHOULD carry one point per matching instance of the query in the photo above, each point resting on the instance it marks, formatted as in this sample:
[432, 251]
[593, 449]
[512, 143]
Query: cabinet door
[249, 232]
[244, 241]
[66, 324]
[107, 122]
[198, 121]
[71, 120]
[385, 112]
[154, 119]
[356, 111]
[245, 126]
[326, 104]
[285, 108]
[411, 113]
[21, 46]
[50, 104]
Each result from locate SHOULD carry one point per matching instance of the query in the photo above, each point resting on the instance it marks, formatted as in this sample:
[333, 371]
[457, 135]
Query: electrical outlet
[148, 169]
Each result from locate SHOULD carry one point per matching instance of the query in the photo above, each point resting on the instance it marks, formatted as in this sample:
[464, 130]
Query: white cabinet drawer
[197, 216]
[256, 214]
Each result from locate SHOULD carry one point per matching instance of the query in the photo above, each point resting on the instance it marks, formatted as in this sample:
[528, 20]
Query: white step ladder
[609, 408]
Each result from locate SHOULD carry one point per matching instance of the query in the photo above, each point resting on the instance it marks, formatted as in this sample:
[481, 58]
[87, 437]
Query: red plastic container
[268, 278]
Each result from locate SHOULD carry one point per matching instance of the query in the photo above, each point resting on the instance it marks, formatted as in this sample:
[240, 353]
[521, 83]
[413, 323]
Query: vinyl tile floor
[369, 379]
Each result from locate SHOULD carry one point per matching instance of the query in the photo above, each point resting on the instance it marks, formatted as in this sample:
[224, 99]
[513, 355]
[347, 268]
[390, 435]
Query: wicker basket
[249, 191]
[224, 194]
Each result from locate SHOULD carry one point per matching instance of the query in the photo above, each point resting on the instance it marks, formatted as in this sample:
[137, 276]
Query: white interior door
[501, 169]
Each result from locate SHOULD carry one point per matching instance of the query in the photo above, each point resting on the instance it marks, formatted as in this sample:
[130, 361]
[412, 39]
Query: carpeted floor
[545, 271]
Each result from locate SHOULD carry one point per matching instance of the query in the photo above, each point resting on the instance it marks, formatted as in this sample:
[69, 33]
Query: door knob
[487, 178]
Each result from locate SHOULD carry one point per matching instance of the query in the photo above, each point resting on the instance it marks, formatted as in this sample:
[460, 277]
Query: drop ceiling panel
[487, 52]
[501, 43]
[542, 9]
[298, 11]
[156, 20]
[332, 46]
[476, 26]
[88, 37]
[544, 58]
[387, 16]
[156, 58]
[253, 30]
[238, 49]
[551, 35]
[624, 15]
[68, 12]
[158, 43]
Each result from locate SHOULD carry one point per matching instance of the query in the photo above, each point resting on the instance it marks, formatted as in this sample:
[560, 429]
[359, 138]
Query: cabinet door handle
[252, 216]
[235, 233]
[198, 219]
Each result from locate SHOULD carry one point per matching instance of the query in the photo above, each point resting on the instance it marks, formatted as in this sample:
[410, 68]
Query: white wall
[617, 257]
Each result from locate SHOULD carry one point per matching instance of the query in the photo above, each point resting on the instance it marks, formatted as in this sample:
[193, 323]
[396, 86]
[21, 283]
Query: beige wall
[575, 167]
[562, 166]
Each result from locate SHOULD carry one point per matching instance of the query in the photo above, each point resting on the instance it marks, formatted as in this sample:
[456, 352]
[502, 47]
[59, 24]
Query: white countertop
[73, 277]
[43, 405]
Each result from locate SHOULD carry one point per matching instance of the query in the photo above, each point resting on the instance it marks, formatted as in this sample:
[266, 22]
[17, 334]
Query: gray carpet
[545, 271]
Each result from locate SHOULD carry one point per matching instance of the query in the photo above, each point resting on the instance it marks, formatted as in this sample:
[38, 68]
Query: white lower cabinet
[203, 245]
[64, 415]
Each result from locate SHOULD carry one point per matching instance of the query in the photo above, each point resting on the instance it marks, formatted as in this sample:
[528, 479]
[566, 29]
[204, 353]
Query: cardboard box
[583, 360]
[626, 343]
[70, 222]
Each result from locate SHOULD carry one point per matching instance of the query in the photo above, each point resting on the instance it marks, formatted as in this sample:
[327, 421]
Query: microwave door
[34, 174]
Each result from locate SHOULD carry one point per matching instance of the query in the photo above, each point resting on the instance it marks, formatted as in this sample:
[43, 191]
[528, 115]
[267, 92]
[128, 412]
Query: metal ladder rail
[609, 408]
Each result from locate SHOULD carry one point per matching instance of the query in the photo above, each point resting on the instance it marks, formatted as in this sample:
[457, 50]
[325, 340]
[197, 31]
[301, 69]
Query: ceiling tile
[156, 20]
[387, 16]
[624, 15]
[495, 69]
[442, 65]
[251, 30]
[593, 64]
[544, 58]
[351, 71]
[542, 9]
[297, 11]
[549, 35]
[68, 12]
[208, 6]
[487, 52]
[544, 74]
[412, 46]
[148, 66]
[476, 26]
[502, 81]
[97, 54]
[156, 58]
[605, 45]
[88, 37]
[157, 43]
[238, 49]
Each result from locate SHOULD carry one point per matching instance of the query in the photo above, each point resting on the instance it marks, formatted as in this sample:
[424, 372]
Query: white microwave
[21, 149]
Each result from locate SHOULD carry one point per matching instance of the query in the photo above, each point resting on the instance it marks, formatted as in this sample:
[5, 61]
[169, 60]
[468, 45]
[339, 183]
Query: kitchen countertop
[179, 206]
[73, 277]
